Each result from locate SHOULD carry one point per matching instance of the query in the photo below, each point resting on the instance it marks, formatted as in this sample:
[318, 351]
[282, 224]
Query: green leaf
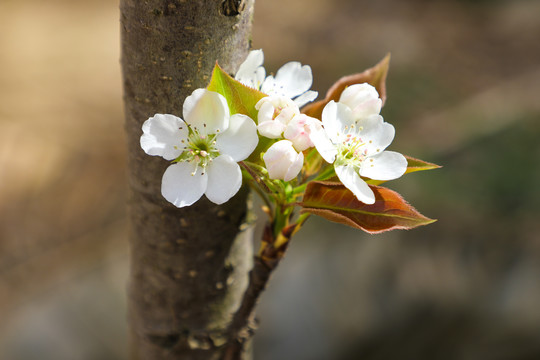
[240, 98]
[413, 165]
[375, 76]
[334, 202]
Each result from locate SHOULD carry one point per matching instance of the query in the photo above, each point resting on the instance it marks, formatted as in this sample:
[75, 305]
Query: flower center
[351, 151]
[199, 149]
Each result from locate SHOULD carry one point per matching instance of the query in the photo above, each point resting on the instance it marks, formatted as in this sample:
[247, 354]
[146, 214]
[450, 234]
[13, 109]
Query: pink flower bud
[298, 130]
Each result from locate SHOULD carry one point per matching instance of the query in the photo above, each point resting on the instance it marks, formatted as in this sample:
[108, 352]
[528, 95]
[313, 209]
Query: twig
[243, 324]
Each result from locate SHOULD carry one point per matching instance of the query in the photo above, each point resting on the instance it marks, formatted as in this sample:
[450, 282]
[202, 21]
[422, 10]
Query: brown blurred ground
[464, 91]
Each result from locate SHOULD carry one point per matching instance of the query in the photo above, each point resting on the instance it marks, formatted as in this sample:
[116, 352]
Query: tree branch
[243, 325]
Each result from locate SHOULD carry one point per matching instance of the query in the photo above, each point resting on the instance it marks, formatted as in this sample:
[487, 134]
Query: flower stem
[254, 176]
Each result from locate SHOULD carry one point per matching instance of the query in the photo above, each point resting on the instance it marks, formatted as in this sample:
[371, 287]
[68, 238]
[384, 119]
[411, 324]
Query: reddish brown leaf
[375, 76]
[334, 202]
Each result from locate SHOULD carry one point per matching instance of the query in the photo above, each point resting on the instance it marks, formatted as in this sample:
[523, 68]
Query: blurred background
[463, 92]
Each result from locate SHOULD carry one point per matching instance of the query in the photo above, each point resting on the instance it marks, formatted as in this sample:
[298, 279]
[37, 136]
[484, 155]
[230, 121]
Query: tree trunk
[189, 267]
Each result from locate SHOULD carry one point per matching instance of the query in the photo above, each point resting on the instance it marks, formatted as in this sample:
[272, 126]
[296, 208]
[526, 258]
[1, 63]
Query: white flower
[292, 80]
[205, 149]
[282, 161]
[356, 147]
[363, 99]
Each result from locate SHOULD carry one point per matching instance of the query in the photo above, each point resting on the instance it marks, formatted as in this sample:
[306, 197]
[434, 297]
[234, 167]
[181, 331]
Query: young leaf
[334, 202]
[240, 98]
[412, 166]
[419, 165]
[375, 76]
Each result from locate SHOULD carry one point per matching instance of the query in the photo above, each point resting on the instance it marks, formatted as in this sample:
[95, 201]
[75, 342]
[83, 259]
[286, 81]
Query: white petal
[207, 111]
[251, 72]
[291, 80]
[353, 182]
[322, 143]
[271, 129]
[277, 159]
[224, 179]
[386, 166]
[363, 99]
[337, 120]
[376, 134]
[181, 188]
[265, 108]
[163, 135]
[306, 97]
[367, 108]
[295, 167]
[286, 114]
[240, 138]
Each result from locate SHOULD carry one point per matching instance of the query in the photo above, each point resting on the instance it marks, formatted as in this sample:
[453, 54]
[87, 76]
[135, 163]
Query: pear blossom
[293, 80]
[356, 146]
[205, 149]
[282, 161]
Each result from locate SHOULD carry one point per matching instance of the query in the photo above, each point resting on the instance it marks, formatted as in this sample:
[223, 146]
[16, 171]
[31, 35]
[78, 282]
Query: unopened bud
[282, 161]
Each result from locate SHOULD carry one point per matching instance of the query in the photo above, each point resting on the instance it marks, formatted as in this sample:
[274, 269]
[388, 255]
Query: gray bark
[188, 266]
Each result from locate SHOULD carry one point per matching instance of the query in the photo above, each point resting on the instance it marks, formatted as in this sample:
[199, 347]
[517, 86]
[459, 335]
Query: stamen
[195, 170]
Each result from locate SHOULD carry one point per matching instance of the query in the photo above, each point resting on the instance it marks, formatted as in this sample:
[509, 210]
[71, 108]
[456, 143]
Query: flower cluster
[326, 157]
[207, 145]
